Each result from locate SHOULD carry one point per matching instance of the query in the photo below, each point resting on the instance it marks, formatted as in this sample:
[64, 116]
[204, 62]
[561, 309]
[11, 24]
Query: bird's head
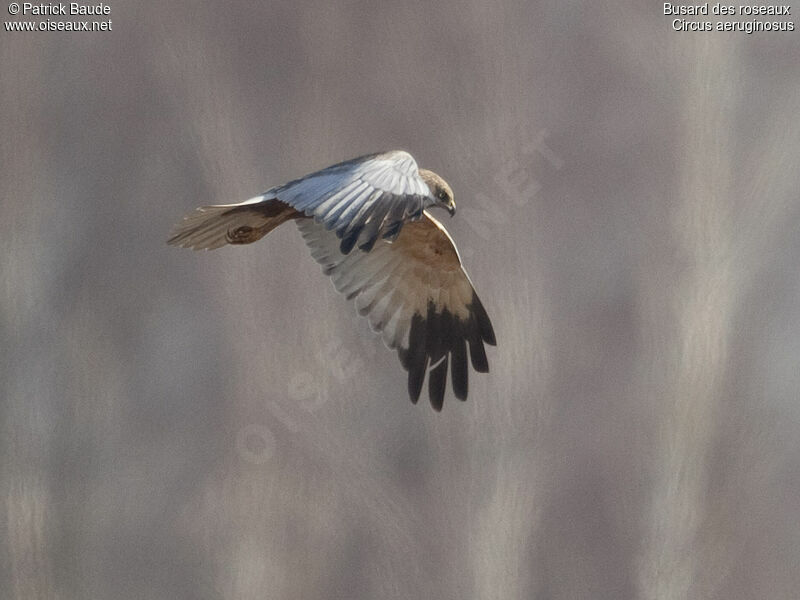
[440, 191]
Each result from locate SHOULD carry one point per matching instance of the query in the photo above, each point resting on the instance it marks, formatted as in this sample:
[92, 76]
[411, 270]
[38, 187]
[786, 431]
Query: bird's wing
[362, 200]
[211, 227]
[415, 292]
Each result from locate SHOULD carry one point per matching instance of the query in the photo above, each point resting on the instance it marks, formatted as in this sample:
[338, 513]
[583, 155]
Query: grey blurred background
[222, 425]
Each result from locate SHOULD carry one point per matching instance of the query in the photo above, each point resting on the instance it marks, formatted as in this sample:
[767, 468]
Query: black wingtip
[478, 355]
[403, 355]
[439, 342]
[414, 359]
[484, 323]
[437, 383]
[415, 379]
[459, 372]
[349, 239]
[368, 244]
[391, 231]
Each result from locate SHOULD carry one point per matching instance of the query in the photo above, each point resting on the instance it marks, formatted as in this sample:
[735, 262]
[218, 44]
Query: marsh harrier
[366, 222]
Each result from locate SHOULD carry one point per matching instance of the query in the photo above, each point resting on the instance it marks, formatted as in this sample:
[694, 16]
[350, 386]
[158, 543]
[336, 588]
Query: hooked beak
[451, 207]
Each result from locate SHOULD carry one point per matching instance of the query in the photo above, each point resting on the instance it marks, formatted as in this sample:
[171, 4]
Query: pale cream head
[440, 191]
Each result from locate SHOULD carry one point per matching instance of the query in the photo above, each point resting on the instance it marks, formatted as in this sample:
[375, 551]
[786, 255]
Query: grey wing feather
[362, 199]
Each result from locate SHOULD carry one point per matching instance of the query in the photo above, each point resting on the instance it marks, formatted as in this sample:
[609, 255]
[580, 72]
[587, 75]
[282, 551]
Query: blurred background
[222, 425]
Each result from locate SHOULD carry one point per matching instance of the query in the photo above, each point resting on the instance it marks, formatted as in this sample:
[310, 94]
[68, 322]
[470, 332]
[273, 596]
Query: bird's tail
[211, 227]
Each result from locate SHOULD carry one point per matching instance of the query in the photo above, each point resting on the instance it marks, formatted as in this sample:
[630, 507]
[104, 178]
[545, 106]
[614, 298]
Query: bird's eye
[442, 195]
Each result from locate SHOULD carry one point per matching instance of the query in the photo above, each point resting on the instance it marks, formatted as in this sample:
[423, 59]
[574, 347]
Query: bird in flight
[366, 223]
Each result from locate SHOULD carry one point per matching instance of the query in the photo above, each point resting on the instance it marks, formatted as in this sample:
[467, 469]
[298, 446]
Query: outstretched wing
[362, 200]
[415, 292]
[211, 227]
